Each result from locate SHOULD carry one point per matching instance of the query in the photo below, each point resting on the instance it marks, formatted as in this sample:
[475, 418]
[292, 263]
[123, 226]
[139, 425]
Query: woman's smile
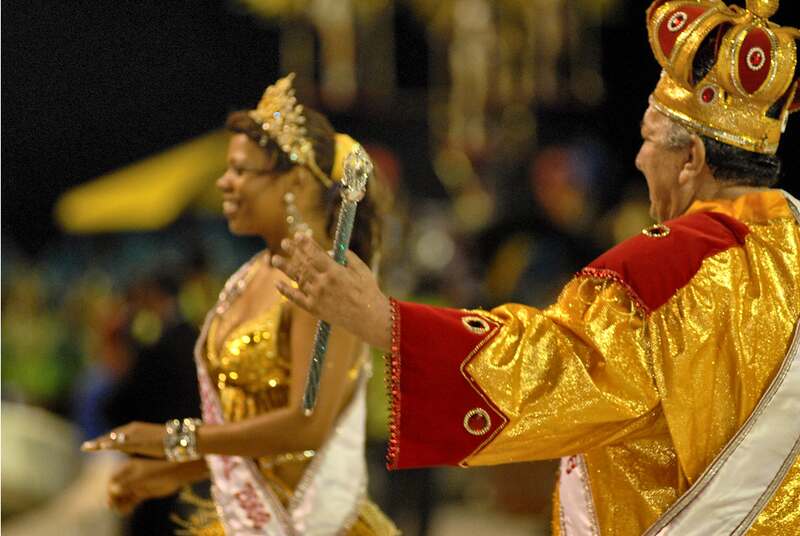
[230, 206]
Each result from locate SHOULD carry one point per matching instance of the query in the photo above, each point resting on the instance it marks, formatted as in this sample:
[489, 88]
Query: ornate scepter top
[357, 169]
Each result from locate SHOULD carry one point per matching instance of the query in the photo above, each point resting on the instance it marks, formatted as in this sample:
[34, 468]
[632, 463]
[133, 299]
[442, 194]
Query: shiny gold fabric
[651, 399]
[251, 373]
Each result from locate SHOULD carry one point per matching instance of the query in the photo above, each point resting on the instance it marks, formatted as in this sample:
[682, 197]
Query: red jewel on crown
[756, 58]
[677, 21]
[708, 94]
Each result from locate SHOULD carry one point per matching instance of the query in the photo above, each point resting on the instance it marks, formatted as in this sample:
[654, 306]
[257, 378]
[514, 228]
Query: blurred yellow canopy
[149, 194]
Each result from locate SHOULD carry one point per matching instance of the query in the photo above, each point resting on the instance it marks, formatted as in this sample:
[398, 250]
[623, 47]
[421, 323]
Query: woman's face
[252, 191]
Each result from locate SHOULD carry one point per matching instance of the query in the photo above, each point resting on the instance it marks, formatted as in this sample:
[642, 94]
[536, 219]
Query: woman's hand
[143, 438]
[140, 479]
[345, 296]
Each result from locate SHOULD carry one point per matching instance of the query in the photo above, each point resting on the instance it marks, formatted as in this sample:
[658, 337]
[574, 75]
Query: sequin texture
[650, 397]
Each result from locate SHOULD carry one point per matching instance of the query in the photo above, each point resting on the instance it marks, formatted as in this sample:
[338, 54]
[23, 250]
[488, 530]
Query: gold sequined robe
[648, 363]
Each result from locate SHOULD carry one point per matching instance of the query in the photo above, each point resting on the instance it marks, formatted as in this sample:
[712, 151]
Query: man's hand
[345, 296]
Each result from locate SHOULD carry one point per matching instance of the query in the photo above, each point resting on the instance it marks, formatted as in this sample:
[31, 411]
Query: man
[667, 374]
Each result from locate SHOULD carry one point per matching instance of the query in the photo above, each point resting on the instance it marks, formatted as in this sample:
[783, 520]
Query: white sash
[738, 484]
[741, 480]
[576, 513]
[328, 497]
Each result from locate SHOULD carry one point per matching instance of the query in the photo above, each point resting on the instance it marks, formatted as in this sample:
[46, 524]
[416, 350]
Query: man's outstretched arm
[485, 387]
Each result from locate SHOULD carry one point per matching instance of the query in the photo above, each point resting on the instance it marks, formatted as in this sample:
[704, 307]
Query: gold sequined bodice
[251, 372]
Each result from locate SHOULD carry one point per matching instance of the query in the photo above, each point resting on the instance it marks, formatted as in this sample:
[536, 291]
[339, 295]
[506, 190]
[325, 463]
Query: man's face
[661, 166]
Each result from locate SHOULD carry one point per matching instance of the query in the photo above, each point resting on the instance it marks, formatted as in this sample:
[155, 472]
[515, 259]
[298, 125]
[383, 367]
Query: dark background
[92, 86]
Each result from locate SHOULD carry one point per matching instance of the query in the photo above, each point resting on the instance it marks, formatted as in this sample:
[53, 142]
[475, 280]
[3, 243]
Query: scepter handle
[344, 230]
[357, 169]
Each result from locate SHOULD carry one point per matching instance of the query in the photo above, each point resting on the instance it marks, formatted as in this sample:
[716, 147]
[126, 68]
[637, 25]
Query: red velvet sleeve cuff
[439, 414]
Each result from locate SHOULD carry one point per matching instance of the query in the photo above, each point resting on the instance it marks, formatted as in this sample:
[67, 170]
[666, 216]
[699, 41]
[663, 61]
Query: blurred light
[434, 250]
[146, 327]
[453, 168]
[473, 210]
[508, 264]
[629, 219]
[557, 187]
[567, 181]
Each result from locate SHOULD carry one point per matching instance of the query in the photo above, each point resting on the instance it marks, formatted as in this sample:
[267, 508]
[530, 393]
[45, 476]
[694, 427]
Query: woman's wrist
[218, 439]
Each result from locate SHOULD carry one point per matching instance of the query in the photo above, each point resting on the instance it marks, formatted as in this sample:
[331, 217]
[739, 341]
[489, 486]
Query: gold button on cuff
[477, 421]
[658, 230]
[476, 324]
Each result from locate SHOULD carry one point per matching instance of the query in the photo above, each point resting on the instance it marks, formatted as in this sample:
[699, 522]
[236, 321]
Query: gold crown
[746, 98]
[282, 120]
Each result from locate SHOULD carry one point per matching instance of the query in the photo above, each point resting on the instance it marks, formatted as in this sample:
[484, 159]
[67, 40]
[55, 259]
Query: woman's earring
[294, 221]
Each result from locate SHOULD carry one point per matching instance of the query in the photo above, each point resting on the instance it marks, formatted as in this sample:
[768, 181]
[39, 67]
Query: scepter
[357, 170]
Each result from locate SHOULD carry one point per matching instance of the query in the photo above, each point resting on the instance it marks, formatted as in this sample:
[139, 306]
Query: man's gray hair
[678, 136]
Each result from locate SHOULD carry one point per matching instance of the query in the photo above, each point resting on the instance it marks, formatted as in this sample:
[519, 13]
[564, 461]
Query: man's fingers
[287, 245]
[295, 296]
[312, 253]
[294, 263]
[355, 262]
[291, 267]
[282, 264]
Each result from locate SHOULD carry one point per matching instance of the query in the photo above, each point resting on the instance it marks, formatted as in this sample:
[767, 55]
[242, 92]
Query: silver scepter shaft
[357, 169]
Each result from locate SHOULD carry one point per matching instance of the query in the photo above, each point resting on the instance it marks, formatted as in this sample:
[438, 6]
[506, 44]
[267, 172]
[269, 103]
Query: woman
[267, 460]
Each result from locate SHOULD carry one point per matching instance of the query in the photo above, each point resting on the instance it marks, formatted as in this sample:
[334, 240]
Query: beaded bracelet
[180, 442]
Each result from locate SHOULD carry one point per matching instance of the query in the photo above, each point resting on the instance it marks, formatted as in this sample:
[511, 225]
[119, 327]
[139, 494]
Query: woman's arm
[288, 429]
[276, 432]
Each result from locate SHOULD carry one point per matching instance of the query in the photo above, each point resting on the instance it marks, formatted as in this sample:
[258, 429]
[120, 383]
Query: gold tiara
[282, 121]
[747, 96]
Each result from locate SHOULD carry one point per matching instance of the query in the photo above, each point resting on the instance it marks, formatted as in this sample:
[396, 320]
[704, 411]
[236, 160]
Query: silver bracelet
[180, 442]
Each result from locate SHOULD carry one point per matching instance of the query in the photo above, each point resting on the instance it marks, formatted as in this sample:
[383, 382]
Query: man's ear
[695, 162]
